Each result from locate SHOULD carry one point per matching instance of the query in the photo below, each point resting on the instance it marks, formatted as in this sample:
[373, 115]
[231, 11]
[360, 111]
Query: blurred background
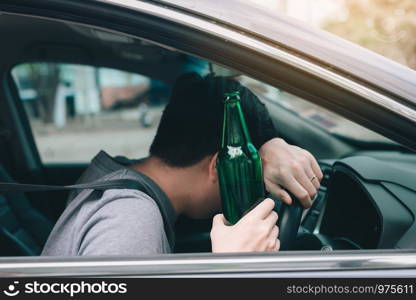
[77, 110]
[387, 27]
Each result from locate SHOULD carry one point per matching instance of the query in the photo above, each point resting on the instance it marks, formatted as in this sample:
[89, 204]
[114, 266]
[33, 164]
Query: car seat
[23, 229]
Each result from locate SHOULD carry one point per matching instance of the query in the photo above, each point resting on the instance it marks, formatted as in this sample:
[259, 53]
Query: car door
[191, 33]
[70, 125]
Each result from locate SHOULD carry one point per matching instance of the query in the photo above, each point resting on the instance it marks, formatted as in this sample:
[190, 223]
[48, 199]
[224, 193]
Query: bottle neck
[235, 129]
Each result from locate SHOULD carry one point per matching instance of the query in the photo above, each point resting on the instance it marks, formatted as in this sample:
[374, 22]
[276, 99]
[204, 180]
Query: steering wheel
[289, 222]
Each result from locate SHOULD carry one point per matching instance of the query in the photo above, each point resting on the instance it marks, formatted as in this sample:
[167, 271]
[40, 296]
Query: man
[181, 175]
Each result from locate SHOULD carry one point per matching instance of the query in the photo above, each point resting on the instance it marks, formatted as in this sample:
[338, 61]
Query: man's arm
[285, 167]
[126, 226]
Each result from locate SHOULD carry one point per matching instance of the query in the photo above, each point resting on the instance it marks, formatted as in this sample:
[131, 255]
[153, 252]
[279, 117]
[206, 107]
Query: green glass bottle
[238, 164]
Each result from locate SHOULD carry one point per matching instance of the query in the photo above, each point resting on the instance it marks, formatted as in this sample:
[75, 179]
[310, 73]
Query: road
[118, 133]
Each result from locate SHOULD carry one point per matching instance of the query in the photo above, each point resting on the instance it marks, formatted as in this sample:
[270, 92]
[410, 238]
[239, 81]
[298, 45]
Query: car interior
[366, 200]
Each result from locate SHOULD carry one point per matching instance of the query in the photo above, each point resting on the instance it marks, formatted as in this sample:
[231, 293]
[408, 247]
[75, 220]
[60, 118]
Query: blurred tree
[44, 78]
[387, 27]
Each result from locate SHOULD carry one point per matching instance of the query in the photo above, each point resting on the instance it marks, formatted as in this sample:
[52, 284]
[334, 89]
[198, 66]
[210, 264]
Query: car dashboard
[366, 202]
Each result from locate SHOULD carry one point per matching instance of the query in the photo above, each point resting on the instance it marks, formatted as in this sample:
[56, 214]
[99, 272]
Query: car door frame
[357, 263]
[259, 59]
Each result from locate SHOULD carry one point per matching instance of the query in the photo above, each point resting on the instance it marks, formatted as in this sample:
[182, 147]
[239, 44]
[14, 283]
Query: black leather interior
[23, 229]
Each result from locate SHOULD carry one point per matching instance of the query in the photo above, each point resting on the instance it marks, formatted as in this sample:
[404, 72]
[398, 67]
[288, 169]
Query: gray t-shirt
[114, 222]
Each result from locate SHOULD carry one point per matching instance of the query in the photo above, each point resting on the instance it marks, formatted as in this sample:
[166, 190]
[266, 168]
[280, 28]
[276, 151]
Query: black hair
[190, 127]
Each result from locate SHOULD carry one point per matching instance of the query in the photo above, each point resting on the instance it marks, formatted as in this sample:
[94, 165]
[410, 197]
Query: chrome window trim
[217, 264]
[210, 264]
[274, 52]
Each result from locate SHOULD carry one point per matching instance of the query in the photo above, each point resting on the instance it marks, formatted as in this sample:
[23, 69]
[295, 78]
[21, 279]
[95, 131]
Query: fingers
[271, 219]
[277, 245]
[274, 233]
[313, 178]
[299, 192]
[307, 184]
[311, 165]
[272, 240]
[218, 220]
[278, 192]
[262, 210]
[315, 167]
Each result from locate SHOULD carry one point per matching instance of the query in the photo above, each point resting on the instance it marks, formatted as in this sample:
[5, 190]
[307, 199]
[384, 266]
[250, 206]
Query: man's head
[189, 134]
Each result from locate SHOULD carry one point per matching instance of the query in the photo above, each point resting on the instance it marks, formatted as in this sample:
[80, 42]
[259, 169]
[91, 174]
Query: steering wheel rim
[289, 223]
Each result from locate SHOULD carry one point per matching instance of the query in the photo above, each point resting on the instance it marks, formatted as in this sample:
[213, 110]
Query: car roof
[39, 40]
[314, 43]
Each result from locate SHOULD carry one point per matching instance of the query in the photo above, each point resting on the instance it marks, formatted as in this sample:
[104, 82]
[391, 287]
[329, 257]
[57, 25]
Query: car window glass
[314, 114]
[386, 27]
[77, 110]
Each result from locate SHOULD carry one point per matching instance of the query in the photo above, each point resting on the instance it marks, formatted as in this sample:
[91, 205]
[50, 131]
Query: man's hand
[292, 168]
[256, 231]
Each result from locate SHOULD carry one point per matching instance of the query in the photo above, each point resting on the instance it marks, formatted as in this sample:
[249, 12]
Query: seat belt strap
[10, 188]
